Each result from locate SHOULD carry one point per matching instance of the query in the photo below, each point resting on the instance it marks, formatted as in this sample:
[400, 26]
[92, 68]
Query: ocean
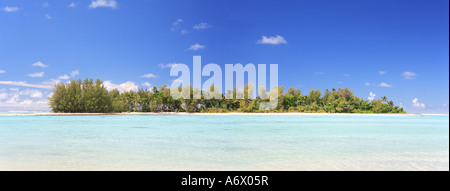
[224, 142]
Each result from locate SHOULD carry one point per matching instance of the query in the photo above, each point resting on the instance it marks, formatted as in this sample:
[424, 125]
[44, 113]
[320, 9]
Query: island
[87, 96]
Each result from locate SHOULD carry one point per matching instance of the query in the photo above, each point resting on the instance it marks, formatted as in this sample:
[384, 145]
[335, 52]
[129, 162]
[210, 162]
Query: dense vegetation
[89, 97]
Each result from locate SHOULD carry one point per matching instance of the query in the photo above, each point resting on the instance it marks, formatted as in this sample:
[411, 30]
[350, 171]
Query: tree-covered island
[88, 97]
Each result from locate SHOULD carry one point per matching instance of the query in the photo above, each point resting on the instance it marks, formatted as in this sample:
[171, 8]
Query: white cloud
[51, 82]
[2, 71]
[32, 93]
[72, 5]
[177, 80]
[371, 96]
[37, 75]
[103, 3]
[27, 100]
[146, 84]
[409, 75]
[25, 84]
[202, 26]
[14, 98]
[275, 40]
[48, 16]
[167, 65]
[176, 24]
[183, 32]
[36, 94]
[319, 73]
[74, 73]
[385, 85]
[3, 96]
[382, 72]
[367, 84]
[39, 64]
[15, 104]
[416, 103]
[11, 9]
[196, 47]
[125, 87]
[64, 77]
[149, 76]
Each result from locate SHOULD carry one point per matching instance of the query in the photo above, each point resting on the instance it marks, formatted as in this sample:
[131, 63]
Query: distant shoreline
[211, 114]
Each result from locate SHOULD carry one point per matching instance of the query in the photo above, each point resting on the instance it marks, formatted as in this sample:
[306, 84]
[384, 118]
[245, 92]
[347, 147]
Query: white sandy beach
[211, 114]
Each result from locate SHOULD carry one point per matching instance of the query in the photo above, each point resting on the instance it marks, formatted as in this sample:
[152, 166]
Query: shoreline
[210, 114]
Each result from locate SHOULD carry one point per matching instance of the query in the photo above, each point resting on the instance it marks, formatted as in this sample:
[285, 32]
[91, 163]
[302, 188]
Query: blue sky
[392, 48]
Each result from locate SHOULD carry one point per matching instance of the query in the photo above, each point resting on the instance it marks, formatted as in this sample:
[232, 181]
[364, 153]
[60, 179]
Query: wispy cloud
[319, 73]
[371, 96]
[196, 47]
[37, 75]
[409, 75]
[3, 96]
[385, 85]
[177, 22]
[183, 32]
[416, 103]
[45, 4]
[40, 64]
[176, 25]
[382, 72]
[48, 16]
[149, 76]
[11, 9]
[103, 3]
[51, 82]
[275, 40]
[74, 73]
[167, 65]
[2, 71]
[72, 5]
[202, 26]
[25, 84]
[367, 84]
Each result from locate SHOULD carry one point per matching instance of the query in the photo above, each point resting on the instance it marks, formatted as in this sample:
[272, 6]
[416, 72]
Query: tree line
[79, 96]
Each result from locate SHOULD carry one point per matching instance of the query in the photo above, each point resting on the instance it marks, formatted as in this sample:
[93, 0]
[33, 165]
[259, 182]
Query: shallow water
[202, 142]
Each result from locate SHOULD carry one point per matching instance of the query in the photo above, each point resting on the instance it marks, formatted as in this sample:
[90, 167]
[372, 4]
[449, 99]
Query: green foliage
[81, 97]
[89, 97]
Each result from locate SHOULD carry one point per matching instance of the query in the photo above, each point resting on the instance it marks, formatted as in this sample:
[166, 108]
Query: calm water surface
[200, 142]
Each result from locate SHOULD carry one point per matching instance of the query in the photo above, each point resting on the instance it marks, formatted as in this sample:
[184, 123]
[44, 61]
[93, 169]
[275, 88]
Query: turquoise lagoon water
[231, 142]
